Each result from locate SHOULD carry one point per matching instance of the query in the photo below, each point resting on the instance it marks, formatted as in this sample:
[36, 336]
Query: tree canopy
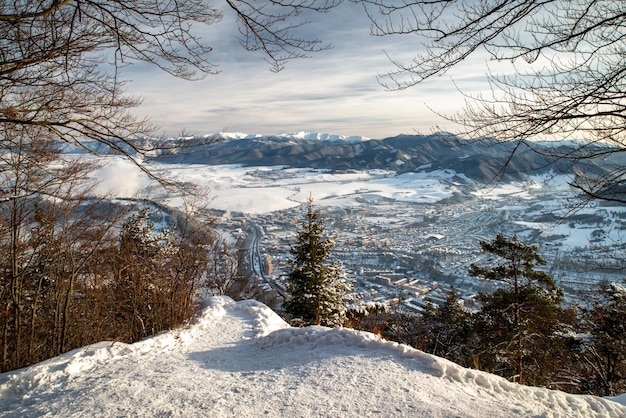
[530, 302]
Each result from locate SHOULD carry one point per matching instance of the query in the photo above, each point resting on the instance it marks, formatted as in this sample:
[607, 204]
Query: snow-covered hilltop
[309, 136]
[323, 137]
[240, 359]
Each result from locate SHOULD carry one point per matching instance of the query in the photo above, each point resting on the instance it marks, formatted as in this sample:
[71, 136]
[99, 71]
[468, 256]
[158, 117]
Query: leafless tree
[60, 60]
[60, 63]
[48, 232]
[65, 280]
[568, 82]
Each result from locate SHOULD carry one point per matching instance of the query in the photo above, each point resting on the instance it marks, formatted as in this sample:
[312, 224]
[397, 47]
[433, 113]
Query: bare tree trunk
[66, 313]
[520, 352]
[33, 320]
[518, 327]
[16, 273]
[5, 341]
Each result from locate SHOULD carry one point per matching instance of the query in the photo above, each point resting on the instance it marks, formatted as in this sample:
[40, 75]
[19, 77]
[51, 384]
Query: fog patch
[120, 177]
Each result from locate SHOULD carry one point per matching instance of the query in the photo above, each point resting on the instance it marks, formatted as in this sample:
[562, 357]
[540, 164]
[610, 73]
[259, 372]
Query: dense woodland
[523, 331]
[571, 348]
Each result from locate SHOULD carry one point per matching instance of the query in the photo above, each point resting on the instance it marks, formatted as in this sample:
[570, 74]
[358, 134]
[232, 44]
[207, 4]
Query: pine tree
[317, 288]
[447, 330]
[525, 309]
[601, 348]
[144, 285]
[137, 237]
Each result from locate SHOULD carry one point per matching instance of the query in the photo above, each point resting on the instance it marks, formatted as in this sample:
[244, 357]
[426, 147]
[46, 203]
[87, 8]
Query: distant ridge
[481, 160]
[301, 135]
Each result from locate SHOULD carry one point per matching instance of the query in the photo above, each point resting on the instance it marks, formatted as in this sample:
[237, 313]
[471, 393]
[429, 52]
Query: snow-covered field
[239, 359]
[266, 189]
[257, 190]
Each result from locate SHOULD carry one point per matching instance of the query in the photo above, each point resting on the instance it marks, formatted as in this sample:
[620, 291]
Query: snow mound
[241, 359]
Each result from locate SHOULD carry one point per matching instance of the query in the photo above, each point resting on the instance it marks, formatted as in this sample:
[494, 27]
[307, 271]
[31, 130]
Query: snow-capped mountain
[482, 161]
[301, 135]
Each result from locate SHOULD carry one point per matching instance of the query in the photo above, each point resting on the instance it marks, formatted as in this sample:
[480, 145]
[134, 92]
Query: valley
[407, 239]
[408, 212]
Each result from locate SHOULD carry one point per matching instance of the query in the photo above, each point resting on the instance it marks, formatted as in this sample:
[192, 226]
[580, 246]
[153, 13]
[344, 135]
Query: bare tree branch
[569, 85]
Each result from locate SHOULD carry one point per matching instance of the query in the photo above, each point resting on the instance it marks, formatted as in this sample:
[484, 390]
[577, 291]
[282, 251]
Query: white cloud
[334, 91]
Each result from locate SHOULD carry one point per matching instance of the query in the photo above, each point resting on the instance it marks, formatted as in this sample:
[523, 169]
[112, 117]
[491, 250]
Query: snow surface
[240, 359]
[311, 136]
[263, 190]
[256, 190]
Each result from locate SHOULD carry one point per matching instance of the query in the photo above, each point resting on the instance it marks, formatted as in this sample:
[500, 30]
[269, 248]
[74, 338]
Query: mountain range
[482, 160]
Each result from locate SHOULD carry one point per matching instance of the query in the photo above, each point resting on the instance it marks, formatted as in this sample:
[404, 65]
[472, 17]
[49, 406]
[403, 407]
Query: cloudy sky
[334, 91]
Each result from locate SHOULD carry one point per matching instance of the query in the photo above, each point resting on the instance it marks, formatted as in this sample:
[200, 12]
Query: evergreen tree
[512, 317]
[137, 237]
[317, 288]
[601, 346]
[145, 285]
[448, 330]
[518, 334]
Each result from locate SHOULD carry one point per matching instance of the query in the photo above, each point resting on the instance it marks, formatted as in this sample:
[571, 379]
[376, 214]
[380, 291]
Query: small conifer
[317, 288]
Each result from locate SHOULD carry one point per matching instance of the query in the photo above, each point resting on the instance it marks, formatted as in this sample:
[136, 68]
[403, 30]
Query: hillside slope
[482, 161]
[240, 359]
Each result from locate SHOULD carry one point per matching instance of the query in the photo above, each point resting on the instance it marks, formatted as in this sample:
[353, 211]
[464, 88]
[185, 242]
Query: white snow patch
[256, 190]
[322, 137]
[233, 135]
[241, 359]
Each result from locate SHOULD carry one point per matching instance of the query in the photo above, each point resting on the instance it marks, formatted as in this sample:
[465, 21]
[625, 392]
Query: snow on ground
[241, 360]
[261, 190]
[548, 182]
[258, 190]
